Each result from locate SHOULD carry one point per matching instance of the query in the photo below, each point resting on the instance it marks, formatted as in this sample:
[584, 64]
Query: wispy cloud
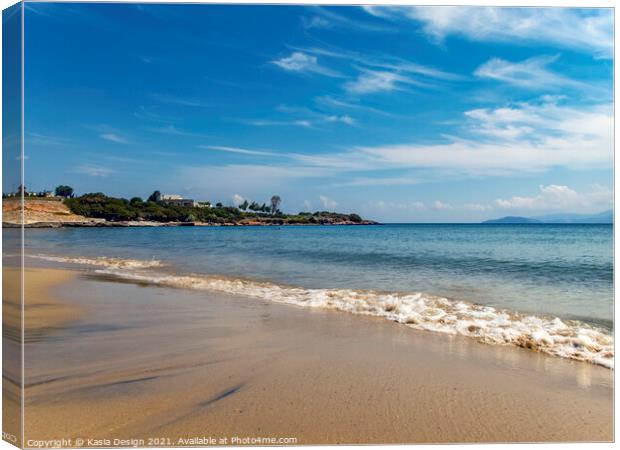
[531, 73]
[153, 114]
[375, 73]
[179, 100]
[301, 117]
[343, 119]
[113, 137]
[479, 207]
[588, 30]
[379, 181]
[174, 131]
[315, 22]
[277, 123]
[329, 102]
[93, 170]
[241, 151]
[32, 138]
[328, 18]
[519, 138]
[371, 81]
[304, 63]
[248, 177]
[396, 205]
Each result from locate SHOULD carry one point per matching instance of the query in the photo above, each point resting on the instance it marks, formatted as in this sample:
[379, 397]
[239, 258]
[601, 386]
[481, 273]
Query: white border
[556, 3]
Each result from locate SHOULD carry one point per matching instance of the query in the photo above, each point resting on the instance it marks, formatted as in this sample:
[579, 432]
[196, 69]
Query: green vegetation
[64, 191]
[99, 205]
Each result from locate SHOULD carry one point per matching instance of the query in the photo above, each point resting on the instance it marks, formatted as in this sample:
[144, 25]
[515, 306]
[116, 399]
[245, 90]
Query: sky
[400, 114]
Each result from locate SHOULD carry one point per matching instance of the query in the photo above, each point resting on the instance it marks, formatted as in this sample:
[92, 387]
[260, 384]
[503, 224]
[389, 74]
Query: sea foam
[563, 338]
[102, 261]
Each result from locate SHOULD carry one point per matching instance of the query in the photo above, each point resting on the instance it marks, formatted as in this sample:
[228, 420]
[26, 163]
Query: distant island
[605, 217]
[63, 209]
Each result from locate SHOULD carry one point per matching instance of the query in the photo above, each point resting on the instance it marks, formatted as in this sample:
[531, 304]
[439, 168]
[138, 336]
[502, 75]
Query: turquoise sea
[485, 281]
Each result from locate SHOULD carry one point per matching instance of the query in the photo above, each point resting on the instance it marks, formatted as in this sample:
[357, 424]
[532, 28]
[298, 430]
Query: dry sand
[145, 362]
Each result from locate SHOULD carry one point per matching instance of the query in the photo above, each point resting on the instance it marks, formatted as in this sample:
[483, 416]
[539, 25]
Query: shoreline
[146, 224]
[54, 213]
[254, 368]
[571, 338]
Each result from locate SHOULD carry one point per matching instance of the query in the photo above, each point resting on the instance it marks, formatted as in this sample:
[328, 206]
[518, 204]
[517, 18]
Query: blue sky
[402, 114]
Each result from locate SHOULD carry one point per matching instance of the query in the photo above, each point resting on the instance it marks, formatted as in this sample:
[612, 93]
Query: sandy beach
[138, 362]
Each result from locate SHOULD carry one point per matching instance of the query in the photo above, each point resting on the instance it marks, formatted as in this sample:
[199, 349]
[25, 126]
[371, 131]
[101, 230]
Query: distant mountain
[512, 219]
[602, 217]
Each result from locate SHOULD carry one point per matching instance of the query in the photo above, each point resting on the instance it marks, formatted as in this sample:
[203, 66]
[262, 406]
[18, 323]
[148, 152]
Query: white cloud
[237, 199]
[392, 205]
[327, 202]
[346, 22]
[307, 205]
[441, 206]
[315, 22]
[546, 122]
[238, 150]
[531, 73]
[331, 102]
[303, 62]
[555, 197]
[379, 181]
[248, 177]
[523, 137]
[277, 123]
[346, 119]
[588, 30]
[370, 81]
[174, 131]
[113, 137]
[302, 117]
[93, 170]
[303, 123]
[476, 207]
[375, 73]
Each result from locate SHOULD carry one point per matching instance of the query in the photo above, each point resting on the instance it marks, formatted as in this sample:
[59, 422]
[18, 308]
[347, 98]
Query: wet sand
[44, 315]
[144, 362]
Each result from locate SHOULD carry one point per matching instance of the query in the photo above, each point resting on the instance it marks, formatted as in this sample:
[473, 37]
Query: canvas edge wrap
[13, 179]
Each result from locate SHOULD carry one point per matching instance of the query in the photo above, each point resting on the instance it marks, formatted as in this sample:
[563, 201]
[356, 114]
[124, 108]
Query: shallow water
[402, 272]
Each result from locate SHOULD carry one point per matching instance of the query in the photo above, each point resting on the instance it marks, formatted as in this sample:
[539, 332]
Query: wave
[103, 261]
[551, 335]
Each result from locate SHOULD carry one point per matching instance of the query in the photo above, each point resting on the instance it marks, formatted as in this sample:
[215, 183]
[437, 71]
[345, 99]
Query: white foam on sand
[102, 261]
[564, 338]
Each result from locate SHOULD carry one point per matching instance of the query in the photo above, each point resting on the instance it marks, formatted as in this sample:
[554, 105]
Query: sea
[543, 287]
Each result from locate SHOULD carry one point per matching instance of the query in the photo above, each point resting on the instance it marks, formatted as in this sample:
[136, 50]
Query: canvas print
[298, 224]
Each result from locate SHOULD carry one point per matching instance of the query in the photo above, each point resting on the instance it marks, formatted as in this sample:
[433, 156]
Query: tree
[218, 205]
[155, 197]
[64, 191]
[355, 218]
[275, 202]
[244, 205]
[135, 201]
[254, 206]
